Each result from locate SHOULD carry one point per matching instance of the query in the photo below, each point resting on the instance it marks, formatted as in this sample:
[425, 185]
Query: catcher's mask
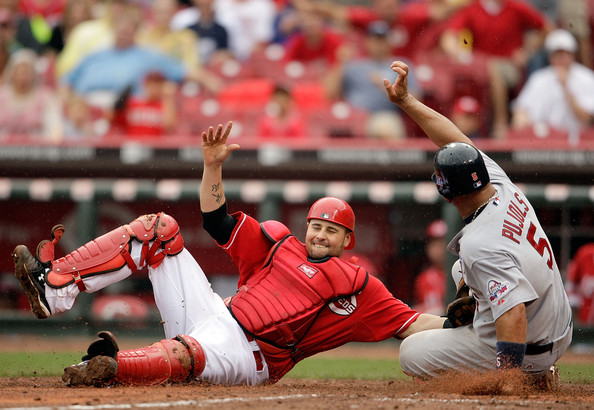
[459, 170]
[334, 210]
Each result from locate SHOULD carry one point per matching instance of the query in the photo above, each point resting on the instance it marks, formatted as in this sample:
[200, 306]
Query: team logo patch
[343, 306]
[325, 215]
[477, 183]
[497, 289]
[309, 271]
[439, 179]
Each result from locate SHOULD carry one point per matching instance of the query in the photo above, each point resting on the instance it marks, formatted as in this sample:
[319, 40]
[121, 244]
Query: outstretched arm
[215, 152]
[437, 127]
[425, 321]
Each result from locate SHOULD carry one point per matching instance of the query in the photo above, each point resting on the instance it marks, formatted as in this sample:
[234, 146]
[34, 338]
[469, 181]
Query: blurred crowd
[89, 70]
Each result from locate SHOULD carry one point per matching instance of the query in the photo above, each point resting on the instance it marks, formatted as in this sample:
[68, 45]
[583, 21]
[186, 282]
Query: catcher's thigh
[189, 306]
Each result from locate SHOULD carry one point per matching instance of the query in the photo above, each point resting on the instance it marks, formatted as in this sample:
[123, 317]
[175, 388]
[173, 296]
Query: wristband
[447, 324]
[510, 355]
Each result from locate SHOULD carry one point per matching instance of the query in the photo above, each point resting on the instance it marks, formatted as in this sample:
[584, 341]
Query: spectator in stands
[36, 22]
[213, 37]
[8, 42]
[181, 45]
[79, 124]
[560, 95]
[573, 16]
[281, 119]
[430, 284]
[75, 12]
[359, 81]
[90, 36]
[496, 29]
[466, 115]
[152, 114]
[29, 109]
[104, 75]
[186, 15]
[249, 24]
[315, 42]
[286, 22]
[580, 284]
[414, 26]
[49, 10]
[156, 33]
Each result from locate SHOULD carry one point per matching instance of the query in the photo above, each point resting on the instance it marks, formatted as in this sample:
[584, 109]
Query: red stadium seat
[337, 120]
[310, 96]
[197, 114]
[231, 70]
[253, 92]
[538, 136]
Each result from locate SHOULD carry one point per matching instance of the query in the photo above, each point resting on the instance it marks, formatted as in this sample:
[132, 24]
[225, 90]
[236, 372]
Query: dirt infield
[287, 394]
[474, 392]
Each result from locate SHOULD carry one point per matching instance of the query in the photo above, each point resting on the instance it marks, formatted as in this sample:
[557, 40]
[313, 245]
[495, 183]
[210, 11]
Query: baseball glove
[105, 345]
[460, 312]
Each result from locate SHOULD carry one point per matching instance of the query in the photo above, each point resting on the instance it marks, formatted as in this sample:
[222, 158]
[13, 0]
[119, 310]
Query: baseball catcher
[294, 299]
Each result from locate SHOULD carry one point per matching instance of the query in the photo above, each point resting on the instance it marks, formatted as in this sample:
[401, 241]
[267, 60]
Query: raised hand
[398, 91]
[215, 150]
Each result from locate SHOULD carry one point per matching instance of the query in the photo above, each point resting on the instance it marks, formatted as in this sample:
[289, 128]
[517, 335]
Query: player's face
[325, 238]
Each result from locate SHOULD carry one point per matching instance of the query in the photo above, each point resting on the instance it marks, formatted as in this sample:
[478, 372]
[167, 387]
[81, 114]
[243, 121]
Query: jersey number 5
[540, 246]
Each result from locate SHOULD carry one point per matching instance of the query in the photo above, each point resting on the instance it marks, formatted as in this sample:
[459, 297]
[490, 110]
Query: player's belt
[534, 350]
[258, 357]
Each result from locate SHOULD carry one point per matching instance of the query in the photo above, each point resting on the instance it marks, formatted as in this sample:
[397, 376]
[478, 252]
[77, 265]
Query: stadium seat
[231, 70]
[310, 96]
[538, 135]
[337, 120]
[197, 114]
[252, 92]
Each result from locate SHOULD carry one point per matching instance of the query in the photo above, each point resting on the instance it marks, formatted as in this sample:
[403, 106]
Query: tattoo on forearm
[217, 192]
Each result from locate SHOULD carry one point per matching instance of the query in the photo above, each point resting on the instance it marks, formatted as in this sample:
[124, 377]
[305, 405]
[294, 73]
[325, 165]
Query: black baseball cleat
[95, 372]
[31, 273]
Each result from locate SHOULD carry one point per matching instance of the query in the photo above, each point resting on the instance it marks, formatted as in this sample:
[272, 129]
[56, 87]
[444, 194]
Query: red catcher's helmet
[334, 210]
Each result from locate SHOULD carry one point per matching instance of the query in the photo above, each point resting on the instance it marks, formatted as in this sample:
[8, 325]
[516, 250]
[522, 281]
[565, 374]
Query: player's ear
[347, 238]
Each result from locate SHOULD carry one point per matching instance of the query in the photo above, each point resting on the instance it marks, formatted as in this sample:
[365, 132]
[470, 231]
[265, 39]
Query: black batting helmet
[459, 170]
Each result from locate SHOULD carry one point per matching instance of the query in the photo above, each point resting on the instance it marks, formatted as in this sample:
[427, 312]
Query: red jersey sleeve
[292, 47]
[382, 315]
[532, 17]
[248, 246]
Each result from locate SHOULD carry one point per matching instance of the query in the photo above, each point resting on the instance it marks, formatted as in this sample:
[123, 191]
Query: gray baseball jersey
[506, 260]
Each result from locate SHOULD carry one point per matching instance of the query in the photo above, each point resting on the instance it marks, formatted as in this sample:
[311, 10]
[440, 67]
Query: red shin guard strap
[78, 281]
[129, 261]
[153, 258]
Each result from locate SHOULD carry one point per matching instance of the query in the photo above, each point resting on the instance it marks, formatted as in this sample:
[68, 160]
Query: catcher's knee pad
[111, 252]
[164, 229]
[174, 360]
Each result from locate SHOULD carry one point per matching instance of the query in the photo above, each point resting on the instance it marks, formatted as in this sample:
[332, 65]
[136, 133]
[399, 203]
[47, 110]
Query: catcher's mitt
[460, 312]
[105, 345]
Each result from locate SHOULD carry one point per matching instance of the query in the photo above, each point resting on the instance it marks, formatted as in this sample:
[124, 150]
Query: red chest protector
[279, 304]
